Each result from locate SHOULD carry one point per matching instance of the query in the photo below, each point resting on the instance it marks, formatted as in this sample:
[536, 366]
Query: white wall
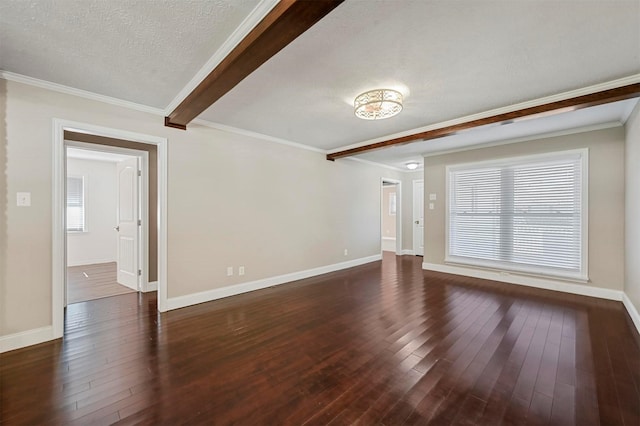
[632, 210]
[98, 243]
[232, 200]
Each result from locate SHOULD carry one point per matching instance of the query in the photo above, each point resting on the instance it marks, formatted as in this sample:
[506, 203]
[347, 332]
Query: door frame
[143, 205]
[413, 215]
[398, 184]
[58, 239]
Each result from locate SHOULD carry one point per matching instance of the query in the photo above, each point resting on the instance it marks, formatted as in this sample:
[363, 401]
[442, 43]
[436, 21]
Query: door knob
[117, 228]
[417, 222]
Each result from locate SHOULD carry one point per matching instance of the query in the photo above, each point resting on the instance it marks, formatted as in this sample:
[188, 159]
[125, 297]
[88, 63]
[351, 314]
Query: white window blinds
[75, 204]
[524, 214]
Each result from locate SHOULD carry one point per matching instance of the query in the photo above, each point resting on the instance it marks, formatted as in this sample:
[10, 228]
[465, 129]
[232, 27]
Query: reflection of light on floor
[236, 321]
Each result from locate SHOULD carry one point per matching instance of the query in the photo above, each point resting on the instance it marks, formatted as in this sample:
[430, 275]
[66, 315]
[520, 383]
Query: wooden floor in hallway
[89, 282]
[383, 343]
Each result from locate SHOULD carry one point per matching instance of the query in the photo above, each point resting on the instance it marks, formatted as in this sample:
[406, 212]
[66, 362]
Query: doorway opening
[107, 199]
[391, 216]
[418, 217]
[153, 260]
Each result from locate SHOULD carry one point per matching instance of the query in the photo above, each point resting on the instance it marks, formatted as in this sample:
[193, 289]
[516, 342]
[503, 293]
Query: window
[523, 214]
[75, 204]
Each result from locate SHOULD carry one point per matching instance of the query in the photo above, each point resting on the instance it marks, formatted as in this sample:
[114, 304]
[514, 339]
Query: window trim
[583, 275]
[85, 229]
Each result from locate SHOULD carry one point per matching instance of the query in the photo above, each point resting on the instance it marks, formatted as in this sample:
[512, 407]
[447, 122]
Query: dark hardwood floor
[384, 343]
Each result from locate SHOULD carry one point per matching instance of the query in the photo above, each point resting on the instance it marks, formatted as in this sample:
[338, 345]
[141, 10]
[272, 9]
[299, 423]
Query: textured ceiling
[451, 59]
[144, 51]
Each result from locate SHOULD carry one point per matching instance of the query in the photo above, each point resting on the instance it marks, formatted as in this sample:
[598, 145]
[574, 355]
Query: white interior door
[418, 218]
[127, 227]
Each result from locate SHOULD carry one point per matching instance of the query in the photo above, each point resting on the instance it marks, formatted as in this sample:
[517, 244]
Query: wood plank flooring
[89, 282]
[383, 343]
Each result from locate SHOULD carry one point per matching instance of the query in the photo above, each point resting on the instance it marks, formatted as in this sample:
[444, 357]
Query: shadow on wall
[4, 195]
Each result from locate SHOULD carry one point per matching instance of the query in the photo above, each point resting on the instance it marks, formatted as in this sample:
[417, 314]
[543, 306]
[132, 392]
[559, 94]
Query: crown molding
[19, 78]
[256, 135]
[257, 14]
[262, 136]
[629, 110]
[632, 79]
[539, 136]
[384, 166]
[43, 84]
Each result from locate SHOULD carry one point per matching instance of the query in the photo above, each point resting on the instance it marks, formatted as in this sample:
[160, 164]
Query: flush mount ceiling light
[378, 104]
[412, 165]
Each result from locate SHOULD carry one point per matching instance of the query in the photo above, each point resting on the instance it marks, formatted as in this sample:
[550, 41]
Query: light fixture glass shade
[378, 104]
[412, 165]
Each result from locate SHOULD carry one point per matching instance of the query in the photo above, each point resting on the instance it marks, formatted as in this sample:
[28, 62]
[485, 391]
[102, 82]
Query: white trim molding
[631, 309]
[58, 205]
[219, 293]
[579, 156]
[398, 238]
[536, 137]
[151, 286]
[255, 135]
[632, 79]
[43, 84]
[26, 338]
[525, 280]
[373, 163]
[407, 252]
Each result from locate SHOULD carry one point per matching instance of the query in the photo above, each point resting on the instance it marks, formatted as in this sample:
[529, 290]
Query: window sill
[515, 272]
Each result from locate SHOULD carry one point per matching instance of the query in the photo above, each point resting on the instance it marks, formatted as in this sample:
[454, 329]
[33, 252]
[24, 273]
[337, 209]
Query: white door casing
[58, 234]
[127, 224]
[399, 211]
[418, 217]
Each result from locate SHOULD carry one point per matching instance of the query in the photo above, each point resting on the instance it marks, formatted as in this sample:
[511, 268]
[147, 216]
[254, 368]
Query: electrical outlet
[241, 270]
[346, 252]
[229, 271]
[431, 206]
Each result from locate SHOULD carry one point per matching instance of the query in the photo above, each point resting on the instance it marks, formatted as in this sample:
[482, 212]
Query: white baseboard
[82, 262]
[408, 252]
[151, 286]
[512, 278]
[633, 312]
[43, 334]
[219, 293]
[388, 244]
[26, 338]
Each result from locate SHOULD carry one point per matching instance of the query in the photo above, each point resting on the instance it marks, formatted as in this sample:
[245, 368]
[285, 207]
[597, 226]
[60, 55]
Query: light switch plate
[432, 197]
[23, 199]
[431, 206]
